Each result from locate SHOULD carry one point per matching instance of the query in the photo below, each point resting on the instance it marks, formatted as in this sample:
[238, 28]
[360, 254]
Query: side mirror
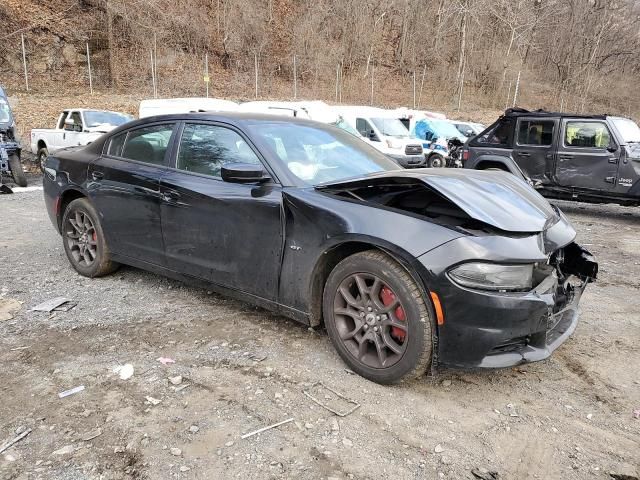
[68, 121]
[243, 173]
[373, 137]
[612, 148]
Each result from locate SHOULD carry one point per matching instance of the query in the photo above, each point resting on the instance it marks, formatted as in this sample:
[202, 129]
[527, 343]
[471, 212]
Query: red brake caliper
[388, 297]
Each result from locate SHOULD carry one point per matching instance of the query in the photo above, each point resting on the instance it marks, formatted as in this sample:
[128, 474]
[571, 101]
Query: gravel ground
[570, 417]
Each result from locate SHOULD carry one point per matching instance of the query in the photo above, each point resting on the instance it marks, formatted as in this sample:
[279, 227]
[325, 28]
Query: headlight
[491, 276]
[394, 144]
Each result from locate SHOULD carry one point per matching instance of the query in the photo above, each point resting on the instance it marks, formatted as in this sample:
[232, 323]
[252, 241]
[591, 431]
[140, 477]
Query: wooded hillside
[578, 55]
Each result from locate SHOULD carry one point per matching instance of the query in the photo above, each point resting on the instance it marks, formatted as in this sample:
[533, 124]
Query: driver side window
[206, 148]
[587, 135]
[364, 127]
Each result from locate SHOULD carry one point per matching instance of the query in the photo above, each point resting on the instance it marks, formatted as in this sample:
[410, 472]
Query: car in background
[386, 133]
[436, 133]
[75, 127]
[468, 129]
[316, 110]
[10, 148]
[406, 269]
[166, 106]
[590, 158]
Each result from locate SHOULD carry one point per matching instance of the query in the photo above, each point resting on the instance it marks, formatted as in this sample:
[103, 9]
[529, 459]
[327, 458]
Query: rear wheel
[436, 161]
[377, 318]
[43, 153]
[84, 241]
[16, 170]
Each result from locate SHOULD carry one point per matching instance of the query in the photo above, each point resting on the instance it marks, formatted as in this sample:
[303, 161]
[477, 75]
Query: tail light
[465, 155]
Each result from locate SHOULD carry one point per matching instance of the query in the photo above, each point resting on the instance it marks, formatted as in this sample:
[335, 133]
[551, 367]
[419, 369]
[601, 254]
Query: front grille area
[413, 150]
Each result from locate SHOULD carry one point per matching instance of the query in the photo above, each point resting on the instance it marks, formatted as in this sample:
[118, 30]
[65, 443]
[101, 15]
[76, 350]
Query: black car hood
[498, 199]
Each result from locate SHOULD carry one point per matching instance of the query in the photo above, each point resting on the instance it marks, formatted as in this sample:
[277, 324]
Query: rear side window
[148, 144]
[498, 135]
[205, 148]
[587, 135]
[535, 132]
[115, 145]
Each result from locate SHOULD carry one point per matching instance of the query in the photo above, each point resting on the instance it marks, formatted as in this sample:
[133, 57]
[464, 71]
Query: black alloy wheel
[377, 318]
[84, 241]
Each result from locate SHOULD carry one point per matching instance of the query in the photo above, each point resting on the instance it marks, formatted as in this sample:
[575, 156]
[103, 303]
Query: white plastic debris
[71, 391]
[125, 371]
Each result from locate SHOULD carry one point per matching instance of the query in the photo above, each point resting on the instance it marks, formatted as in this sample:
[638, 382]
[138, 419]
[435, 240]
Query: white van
[165, 106]
[386, 133]
[312, 110]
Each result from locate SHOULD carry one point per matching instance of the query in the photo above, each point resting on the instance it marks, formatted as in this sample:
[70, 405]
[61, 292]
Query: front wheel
[43, 153]
[84, 241]
[377, 318]
[436, 161]
[16, 170]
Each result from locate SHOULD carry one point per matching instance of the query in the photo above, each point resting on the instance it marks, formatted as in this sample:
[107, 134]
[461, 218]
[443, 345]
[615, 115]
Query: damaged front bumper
[484, 329]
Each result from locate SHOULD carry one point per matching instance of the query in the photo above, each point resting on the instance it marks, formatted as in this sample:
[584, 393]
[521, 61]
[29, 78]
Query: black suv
[593, 158]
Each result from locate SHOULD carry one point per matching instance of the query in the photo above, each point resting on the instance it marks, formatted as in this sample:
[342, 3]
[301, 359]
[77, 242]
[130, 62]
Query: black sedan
[406, 269]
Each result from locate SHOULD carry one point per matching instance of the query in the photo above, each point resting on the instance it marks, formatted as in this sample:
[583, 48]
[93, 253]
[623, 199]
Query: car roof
[521, 112]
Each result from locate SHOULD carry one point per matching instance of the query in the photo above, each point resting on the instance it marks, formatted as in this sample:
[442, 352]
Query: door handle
[524, 154]
[565, 157]
[97, 176]
[614, 160]
[170, 196]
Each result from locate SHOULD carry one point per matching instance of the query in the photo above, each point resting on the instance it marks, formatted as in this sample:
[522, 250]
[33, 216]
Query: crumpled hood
[498, 199]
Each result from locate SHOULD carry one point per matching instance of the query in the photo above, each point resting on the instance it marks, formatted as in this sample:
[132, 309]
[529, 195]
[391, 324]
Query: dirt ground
[570, 417]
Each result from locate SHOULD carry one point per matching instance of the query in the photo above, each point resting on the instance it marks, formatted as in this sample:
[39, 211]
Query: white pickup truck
[78, 126]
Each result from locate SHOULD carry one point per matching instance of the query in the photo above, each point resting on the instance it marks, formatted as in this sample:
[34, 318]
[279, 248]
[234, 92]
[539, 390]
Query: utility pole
[295, 79]
[89, 67]
[24, 61]
[256, 68]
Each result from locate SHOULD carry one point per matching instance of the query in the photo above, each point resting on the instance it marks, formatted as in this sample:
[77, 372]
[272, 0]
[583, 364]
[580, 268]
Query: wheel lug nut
[362, 314]
[369, 308]
[366, 327]
[375, 329]
[378, 317]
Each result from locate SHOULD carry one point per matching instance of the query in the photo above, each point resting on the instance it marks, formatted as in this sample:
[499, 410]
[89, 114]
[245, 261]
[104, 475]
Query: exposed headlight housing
[493, 276]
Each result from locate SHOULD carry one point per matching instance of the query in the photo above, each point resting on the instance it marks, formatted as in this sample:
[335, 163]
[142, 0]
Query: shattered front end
[496, 329]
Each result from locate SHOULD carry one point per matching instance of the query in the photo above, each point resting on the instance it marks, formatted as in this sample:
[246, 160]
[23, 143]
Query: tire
[16, 170]
[436, 161]
[84, 242]
[42, 155]
[365, 322]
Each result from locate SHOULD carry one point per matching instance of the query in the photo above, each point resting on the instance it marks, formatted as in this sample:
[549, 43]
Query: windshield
[5, 112]
[628, 129]
[94, 118]
[340, 123]
[391, 127]
[317, 154]
[445, 129]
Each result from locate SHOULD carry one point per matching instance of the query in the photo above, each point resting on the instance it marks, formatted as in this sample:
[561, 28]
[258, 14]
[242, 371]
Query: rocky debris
[177, 380]
[194, 429]
[438, 448]
[66, 450]
[175, 451]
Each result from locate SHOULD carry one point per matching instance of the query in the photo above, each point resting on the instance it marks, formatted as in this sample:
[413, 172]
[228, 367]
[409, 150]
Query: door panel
[583, 160]
[533, 147]
[226, 233]
[127, 195]
[124, 185]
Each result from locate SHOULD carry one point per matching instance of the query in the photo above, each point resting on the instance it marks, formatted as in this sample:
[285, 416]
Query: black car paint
[279, 239]
[561, 171]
